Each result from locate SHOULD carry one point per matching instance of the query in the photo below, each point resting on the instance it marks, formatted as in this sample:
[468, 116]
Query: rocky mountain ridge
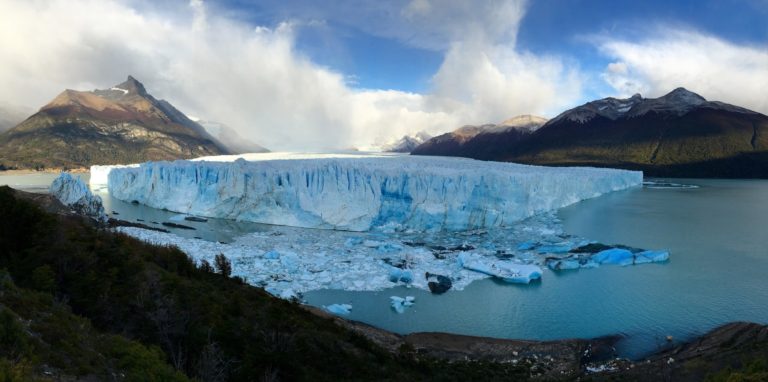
[680, 134]
[122, 124]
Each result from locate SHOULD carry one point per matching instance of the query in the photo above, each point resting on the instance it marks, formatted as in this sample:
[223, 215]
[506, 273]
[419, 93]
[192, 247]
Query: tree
[223, 265]
[205, 266]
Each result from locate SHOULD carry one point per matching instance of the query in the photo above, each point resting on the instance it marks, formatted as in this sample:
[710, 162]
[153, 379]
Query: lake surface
[717, 235]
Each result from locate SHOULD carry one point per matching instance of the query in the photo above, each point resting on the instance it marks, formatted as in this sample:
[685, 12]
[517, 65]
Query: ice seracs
[362, 193]
[74, 193]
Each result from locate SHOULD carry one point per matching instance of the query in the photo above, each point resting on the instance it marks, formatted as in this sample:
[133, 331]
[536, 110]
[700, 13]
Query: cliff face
[123, 124]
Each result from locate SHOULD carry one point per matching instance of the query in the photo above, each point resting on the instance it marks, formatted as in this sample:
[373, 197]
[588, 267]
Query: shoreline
[79, 170]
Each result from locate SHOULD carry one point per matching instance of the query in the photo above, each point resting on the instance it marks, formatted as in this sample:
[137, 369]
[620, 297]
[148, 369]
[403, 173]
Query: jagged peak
[131, 85]
[685, 94]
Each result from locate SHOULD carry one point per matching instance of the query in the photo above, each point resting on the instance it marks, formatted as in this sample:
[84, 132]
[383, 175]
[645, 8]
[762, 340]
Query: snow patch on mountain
[677, 102]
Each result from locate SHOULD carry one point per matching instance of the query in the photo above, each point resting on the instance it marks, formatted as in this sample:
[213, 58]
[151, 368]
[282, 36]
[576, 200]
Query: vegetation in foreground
[87, 303]
[81, 303]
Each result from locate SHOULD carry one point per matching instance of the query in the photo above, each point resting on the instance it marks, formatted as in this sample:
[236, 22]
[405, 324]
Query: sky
[307, 75]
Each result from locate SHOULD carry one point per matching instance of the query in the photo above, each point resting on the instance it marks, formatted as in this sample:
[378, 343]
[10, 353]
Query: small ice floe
[177, 218]
[662, 185]
[555, 248]
[272, 255]
[399, 303]
[617, 256]
[400, 275]
[504, 270]
[582, 258]
[284, 293]
[525, 246]
[624, 257]
[339, 309]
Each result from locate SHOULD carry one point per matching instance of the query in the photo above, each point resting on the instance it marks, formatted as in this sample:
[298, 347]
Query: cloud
[252, 78]
[669, 58]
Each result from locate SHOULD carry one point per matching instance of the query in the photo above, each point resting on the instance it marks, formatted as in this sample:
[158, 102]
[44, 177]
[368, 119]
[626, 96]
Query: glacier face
[361, 193]
[74, 193]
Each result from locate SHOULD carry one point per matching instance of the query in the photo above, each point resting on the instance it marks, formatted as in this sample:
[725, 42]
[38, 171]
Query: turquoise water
[38, 182]
[718, 238]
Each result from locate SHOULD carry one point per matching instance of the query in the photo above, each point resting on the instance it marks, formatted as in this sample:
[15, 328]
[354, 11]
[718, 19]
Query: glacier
[359, 193]
[74, 193]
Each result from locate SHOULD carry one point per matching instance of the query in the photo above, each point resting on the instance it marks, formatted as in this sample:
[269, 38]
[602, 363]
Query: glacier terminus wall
[361, 193]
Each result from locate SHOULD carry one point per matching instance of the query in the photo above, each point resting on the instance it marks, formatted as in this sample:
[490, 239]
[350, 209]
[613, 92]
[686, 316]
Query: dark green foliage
[223, 265]
[164, 313]
[754, 371]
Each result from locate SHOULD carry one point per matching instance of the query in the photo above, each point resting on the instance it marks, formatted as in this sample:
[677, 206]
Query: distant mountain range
[407, 143]
[122, 124]
[484, 141]
[678, 135]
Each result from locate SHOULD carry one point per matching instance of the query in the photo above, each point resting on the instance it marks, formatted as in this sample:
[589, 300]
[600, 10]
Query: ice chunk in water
[339, 309]
[399, 303]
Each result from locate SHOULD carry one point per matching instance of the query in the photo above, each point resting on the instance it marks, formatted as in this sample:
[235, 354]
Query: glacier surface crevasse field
[391, 193]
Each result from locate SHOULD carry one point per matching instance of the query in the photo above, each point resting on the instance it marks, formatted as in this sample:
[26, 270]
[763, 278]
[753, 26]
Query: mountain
[122, 124]
[678, 135]
[484, 141]
[407, 143]
[231, 139]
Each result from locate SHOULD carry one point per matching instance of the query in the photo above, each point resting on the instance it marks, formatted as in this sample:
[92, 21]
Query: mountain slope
[123, 124]
[481, 142]
[679, 135]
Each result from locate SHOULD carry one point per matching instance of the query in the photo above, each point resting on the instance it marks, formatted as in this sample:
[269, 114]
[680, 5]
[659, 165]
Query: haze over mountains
[484, 141]
[122, 124]
[11, 115]
[680, 134]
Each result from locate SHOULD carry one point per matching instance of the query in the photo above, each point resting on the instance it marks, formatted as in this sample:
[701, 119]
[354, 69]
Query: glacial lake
[717, 236]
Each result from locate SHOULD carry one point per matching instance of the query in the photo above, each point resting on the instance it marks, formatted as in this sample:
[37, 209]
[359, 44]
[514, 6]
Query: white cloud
[717, 69]
[254, 79]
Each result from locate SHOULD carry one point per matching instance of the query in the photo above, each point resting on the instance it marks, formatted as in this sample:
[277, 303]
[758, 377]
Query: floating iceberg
[339, 309]
[600, 254]
[399, 303]
[74, 193]
[617, 256]
[504, 270]
[361, 193]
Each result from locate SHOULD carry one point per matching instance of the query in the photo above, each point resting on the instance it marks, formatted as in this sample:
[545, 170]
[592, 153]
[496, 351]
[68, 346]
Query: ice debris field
[427, 222]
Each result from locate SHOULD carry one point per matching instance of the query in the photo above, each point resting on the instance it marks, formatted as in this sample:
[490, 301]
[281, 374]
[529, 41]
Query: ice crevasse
[361, 193]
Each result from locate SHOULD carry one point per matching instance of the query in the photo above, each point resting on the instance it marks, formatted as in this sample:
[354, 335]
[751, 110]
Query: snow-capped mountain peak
[407, 143]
